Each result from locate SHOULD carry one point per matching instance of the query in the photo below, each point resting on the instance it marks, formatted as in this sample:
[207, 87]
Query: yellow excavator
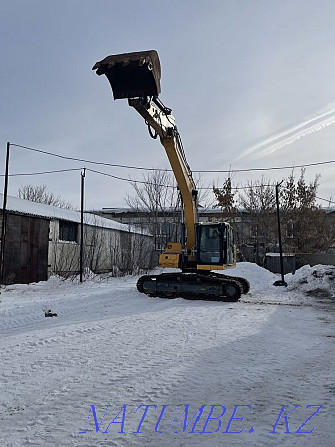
[205, 246]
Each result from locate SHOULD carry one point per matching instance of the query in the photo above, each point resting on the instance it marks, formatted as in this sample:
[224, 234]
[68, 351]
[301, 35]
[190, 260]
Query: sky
[250, 82]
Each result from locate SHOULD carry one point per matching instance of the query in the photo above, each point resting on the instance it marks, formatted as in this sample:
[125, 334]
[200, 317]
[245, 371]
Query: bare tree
[41, 194]
[258, 201]
[205, 200]
[156, 204]
[307, 229]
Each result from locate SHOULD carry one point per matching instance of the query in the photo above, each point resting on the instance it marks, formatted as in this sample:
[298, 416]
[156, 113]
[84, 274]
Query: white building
[42, 239]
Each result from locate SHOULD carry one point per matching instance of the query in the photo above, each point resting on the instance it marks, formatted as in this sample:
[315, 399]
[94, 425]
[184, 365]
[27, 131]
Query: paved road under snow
[112, 346]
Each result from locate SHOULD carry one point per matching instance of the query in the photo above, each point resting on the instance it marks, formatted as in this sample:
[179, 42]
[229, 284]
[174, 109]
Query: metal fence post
[82, 174]
[282, 282]
[4, 218]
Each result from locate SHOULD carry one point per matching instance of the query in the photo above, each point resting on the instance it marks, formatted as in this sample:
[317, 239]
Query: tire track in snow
[165, 352]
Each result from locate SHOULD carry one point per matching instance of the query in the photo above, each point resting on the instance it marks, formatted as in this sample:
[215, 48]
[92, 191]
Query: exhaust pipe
[132, 75]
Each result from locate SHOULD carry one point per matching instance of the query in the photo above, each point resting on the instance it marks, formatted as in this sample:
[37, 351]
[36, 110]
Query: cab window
[210, 244]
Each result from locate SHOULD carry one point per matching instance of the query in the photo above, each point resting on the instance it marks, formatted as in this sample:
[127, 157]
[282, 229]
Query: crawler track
[193, 286]
[244, 282]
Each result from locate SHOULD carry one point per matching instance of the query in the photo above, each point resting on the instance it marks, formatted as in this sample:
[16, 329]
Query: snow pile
[318, 281]
[259, 277]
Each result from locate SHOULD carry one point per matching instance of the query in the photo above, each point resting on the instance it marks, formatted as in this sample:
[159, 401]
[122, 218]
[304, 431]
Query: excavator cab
[132, 75]
[215, 249]
[215, 245]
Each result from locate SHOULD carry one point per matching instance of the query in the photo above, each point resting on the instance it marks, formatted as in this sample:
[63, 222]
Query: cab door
[210, 243]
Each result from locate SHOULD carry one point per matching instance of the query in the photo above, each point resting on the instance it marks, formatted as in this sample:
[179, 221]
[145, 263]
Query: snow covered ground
[117, 368]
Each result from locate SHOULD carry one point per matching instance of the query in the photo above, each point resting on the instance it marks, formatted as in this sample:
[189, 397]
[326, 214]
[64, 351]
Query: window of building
[68, 231]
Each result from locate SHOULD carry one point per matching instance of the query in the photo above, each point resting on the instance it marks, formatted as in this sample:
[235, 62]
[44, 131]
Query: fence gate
[26, 249]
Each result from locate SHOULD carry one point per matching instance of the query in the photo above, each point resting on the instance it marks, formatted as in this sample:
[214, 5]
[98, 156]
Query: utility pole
[4, 218]
[82, 174]
[282, 281]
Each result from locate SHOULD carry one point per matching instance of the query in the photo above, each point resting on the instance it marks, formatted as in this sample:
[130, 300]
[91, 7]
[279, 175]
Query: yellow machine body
[206, 246]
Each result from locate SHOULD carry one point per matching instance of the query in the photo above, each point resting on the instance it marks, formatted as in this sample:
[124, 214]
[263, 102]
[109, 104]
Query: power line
[170, 186]
[112, 176]
[129, 180]
[156, 169]
[326, 200]
[140, 181]
[226, 171]
[306, 165]
[41, 173]
[64, 157]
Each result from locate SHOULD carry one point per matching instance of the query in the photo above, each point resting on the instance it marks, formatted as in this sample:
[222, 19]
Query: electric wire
[326, 200]
[305, 165]
[65, 157]
[180, 145]
[129, 180]
[40, 173]
[233, 188]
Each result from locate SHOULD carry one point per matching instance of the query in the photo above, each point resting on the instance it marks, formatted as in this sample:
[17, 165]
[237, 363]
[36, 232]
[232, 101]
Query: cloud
[301, 130]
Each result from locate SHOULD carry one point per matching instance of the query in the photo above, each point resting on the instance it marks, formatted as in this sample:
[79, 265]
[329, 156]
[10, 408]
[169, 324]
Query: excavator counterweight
[132, 75]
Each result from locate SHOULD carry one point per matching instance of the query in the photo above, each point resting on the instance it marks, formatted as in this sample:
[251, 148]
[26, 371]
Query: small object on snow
[280, 283]
[48, 313]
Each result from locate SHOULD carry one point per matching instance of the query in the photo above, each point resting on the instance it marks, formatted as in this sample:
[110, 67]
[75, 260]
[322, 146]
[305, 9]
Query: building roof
[21, 206]
[166, 210]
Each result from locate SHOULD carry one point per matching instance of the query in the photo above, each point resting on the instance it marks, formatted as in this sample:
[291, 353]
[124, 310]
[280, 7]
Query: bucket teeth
[132, 75]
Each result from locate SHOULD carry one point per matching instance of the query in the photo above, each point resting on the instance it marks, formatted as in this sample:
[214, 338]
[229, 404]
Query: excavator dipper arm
[165, 127]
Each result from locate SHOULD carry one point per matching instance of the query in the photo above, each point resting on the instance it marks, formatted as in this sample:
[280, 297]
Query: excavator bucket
[132, 75]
